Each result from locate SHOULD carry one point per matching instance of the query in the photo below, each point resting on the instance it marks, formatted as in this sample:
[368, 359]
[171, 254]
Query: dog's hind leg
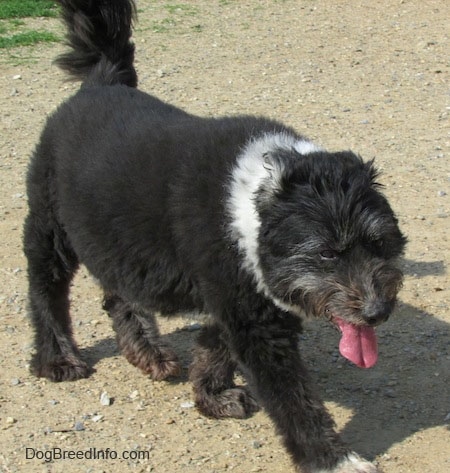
[51, 266]
[212, 373]
[139, 339]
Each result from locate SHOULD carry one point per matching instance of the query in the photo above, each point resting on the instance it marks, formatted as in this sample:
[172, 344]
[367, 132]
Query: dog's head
[328, 243]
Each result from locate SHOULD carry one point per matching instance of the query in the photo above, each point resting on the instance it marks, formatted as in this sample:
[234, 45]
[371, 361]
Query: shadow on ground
[403, 394]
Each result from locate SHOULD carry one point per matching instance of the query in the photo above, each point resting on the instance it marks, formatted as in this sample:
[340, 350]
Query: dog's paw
[159, 362]
[352, 463]
[235, 402]
[63, 369]
[162, 369]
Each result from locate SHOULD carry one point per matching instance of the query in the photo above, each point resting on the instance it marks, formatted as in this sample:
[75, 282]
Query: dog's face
[328, 244]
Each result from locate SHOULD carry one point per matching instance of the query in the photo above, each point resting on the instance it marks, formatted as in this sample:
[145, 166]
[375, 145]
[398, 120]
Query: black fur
[139, 191]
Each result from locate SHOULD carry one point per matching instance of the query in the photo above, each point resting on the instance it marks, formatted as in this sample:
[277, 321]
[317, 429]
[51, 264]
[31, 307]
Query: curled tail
[98, 34]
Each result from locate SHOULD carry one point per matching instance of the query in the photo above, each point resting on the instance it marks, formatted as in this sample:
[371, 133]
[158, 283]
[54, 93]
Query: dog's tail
[98, 34]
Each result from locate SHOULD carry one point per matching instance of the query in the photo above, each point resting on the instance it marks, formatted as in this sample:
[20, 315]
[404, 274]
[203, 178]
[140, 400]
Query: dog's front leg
[269, 356]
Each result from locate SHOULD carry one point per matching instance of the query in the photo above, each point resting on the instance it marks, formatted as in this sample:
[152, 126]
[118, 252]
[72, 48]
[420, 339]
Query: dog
[238, 217]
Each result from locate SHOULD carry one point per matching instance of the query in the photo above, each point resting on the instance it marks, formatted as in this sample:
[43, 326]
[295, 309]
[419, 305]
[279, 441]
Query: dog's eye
[376, 246]
[329, 255]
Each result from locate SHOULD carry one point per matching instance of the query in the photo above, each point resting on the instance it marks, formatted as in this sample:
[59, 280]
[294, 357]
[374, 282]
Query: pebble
[194, 327]
[187, 405]
[78, 427]
[105, 400]
[97, 418]
[11, 420]
[15, 381]
[256, 444]
[134, 394]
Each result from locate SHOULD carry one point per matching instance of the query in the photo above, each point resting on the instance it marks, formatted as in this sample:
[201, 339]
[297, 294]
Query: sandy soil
[371, 76]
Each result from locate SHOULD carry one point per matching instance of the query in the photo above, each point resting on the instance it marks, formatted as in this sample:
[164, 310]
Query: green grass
[26, 8]
[27, 38]
[182, 8]
[175, 21]
[13, 30]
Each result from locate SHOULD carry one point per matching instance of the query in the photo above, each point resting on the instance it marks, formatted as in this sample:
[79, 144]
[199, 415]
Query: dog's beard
[355, 296]
[348, 296]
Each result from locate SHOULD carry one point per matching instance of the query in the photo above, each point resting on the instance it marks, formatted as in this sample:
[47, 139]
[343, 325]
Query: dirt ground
[370, 76]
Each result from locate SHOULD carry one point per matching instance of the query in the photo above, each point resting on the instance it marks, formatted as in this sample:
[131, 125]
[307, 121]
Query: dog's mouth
[358, 343]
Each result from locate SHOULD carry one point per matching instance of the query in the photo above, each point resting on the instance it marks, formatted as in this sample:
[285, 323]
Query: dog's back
[98, 34]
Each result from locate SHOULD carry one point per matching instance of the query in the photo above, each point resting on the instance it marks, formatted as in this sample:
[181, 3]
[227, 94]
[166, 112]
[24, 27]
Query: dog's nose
[376, 313]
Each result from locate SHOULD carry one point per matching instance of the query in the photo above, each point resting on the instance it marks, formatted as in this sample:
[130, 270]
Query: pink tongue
[358, 344]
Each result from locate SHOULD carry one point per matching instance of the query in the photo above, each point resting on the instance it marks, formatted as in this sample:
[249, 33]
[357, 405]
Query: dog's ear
[272, 184]
[372, 173]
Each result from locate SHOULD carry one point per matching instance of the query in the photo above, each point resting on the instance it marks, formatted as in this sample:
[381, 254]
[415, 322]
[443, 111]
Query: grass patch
[27, 8]
[177, 18]
[181, 8]
[13, 26]
[27, 38]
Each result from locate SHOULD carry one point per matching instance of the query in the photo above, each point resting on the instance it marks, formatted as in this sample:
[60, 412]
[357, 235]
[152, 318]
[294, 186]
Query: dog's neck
[256, 170]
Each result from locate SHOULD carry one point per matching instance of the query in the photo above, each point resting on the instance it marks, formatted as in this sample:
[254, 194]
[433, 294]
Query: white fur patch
[306, 147]
[253, 170]
[353, 463]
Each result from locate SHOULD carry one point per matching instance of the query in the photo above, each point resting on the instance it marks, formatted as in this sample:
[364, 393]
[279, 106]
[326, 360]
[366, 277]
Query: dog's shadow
[403, 394]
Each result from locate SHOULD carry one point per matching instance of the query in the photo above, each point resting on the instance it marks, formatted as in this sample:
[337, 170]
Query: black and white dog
[237, 217]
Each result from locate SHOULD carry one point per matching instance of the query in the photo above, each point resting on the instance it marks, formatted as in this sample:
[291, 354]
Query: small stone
[141, 406]
[194, 327]
[53, 402]
[256, 444]
[105, 400]
[17, 77]
[134, 394]
[97, 418]
[78, 427]
[441, 193]
[11, 420]
[187, 405]
[15, 381]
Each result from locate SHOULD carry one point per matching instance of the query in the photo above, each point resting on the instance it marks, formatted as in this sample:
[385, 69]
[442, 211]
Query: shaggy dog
[237, 217]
